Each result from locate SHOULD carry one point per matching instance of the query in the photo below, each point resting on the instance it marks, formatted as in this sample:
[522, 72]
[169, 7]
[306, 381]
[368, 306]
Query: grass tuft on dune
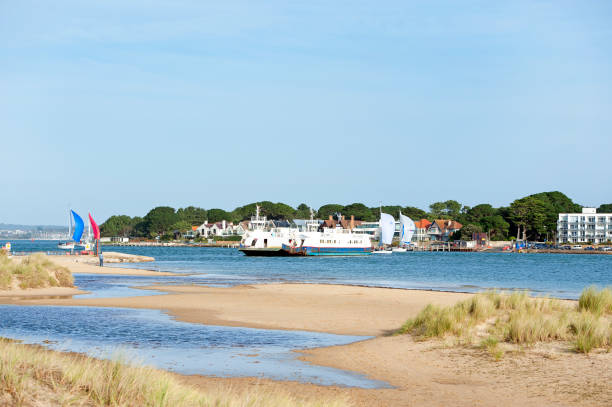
[35, 376]
[596, 301]
[520, 319]
[35, 271]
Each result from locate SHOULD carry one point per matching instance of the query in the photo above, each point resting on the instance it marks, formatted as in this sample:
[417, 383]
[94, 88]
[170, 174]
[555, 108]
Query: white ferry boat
[258, 241]
[330, 242]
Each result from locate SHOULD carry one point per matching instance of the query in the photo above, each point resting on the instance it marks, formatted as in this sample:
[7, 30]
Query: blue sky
[116, 107]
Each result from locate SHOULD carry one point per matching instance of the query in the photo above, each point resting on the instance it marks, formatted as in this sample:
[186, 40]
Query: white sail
[387, 228]
[407, 229]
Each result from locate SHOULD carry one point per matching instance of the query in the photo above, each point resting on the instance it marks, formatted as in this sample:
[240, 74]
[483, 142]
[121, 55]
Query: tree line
[532, 217]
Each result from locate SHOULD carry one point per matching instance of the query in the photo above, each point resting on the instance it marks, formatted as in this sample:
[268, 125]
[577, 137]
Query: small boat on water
[407, 229]
[387, 230]
[79, 226]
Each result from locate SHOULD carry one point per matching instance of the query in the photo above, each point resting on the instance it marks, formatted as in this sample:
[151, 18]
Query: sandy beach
[429, 373]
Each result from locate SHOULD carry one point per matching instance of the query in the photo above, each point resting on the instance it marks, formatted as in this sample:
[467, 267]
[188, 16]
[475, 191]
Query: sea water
[153, 338]
[558, 275]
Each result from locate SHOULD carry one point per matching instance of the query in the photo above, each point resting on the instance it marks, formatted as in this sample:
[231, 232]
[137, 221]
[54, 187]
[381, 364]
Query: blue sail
[78, 227]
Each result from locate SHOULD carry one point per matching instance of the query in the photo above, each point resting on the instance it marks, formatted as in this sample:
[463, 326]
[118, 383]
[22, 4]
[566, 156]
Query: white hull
[382, 252]
[399, 250]
[262, 239]
[66, 246]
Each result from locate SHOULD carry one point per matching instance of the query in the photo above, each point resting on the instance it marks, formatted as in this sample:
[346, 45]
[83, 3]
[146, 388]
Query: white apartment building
[588, 226]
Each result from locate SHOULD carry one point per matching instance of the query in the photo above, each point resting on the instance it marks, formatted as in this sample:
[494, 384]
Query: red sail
[94, 227]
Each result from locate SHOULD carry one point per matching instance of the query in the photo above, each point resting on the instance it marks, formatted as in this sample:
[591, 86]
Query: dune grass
[520, 319]
[596, 301]
[35, 271]
[35, 376]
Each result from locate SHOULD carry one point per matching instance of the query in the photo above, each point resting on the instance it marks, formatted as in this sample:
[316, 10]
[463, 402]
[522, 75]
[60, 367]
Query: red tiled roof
[448, 224]
[422, 224]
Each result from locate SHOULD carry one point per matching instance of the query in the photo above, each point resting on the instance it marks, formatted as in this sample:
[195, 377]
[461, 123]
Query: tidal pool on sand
[153, 338]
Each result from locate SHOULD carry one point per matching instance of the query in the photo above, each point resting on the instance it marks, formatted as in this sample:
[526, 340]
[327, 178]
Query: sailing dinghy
[407, 229]
[79, 226]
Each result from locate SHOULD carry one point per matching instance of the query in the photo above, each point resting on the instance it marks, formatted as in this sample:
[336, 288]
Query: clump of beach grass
[520, 319]
[434, 321]
[6, 276]
[35, 376]
[596, 301]
[35, 271]
[491, 345]
[591, 331]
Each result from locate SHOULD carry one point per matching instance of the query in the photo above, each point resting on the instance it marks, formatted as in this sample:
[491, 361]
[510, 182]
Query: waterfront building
[421, 234]
[370, 228]
[442, 229]
[223, 228]
[586, 227]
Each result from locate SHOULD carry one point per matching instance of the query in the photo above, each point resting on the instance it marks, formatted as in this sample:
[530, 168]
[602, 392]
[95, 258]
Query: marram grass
[596, 301]
[520, 319]
[31, 376]
[35, 271]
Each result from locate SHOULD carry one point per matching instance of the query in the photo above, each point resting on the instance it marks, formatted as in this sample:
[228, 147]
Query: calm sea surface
[556, 275]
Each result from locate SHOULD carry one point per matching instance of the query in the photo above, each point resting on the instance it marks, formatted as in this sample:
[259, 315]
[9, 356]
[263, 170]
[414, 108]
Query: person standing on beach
[101, 260]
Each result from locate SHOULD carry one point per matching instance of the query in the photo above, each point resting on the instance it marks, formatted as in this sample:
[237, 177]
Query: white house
[222, 228]
[588, 226]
